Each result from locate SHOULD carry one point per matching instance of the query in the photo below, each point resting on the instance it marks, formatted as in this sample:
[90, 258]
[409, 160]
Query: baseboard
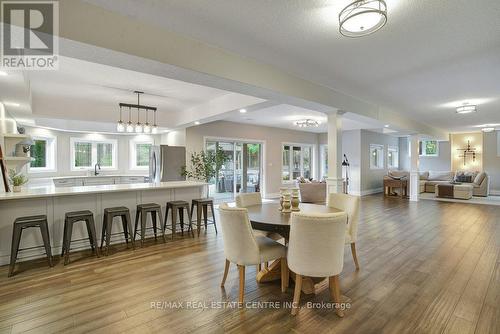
[495, 192]
[367, 192]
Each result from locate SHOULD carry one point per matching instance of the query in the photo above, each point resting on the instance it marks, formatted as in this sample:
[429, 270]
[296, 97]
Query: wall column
[414, 165]
[334, 180]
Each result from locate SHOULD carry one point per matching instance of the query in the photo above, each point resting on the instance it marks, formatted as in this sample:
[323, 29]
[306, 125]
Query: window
[296, 162]
[85, 154]
[376, 156]
[428, 148]
[324, 161]
[392, 157]
[43, 151]
[139, 154]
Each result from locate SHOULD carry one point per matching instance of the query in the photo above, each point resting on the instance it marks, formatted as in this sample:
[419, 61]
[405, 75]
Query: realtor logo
[29, 34]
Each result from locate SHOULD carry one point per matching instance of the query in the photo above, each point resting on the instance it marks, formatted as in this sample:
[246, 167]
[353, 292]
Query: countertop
[52, 191]
[96, 176]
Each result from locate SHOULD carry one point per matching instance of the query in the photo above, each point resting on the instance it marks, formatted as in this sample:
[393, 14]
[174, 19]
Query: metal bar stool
[71, 218]
[107, 222]
[22, 223]
[142, 213]
[177, 206]
[202, 205]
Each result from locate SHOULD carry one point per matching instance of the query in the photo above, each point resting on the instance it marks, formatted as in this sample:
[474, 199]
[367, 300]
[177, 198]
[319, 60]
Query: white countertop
[96, 176]
[52, 191]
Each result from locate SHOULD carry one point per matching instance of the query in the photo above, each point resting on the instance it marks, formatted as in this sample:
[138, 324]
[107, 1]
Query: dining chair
[243, 248]
[350, 205]
[316, 249]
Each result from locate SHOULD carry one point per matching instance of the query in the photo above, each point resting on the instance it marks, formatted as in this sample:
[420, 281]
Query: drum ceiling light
[306, 123]
[362, 17]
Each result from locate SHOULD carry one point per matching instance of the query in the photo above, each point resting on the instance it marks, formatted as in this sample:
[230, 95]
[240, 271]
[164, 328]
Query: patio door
[241, 172]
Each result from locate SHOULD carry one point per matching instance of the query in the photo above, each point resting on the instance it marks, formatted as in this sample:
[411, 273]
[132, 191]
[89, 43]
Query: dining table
[269, 218]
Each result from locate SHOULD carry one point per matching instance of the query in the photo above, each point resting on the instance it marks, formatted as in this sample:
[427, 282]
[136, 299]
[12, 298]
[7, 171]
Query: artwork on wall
[468, 152]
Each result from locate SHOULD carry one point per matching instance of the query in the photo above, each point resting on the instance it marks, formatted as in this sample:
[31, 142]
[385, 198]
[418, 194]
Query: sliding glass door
[242, 170]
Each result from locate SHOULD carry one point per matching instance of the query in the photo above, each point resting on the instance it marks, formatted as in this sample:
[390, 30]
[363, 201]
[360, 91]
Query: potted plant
[17, 180]
[205, 165]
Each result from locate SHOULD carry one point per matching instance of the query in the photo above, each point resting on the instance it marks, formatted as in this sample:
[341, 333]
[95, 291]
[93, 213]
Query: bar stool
[71, 218]
[142, 212]
[177, 206]
[202, 204]
[107, 222]
[22, 223]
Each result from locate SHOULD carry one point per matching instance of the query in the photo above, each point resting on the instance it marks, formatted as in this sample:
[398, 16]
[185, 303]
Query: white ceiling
[284, 116]
[431, 55]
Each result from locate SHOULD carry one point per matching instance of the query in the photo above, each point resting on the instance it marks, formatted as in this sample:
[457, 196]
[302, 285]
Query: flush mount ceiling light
[3, 74]
[139, 127]
[243, 111]
[306, 123]
[466, 109]
[488, 129]
[362, 17]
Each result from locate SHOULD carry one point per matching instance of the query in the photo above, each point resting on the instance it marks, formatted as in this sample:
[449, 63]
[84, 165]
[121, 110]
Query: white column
[414, 165]
[334, 180]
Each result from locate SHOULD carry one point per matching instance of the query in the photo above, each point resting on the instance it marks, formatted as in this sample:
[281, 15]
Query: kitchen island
[56, 201]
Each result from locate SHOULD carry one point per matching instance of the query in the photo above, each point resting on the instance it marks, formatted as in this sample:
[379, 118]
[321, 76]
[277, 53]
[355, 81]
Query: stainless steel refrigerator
[166, 162]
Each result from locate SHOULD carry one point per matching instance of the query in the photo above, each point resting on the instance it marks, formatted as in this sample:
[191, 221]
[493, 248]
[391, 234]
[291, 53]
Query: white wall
[174, 138]
[272, 137]
[63, 161]
[491, 159]
[440, 163]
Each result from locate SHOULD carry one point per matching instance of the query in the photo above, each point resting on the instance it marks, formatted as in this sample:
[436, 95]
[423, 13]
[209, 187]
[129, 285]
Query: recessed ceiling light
[466, 109]
[488, 129]
[386, 126]
[243, 111]
[3, 74]
[12, 104]
[196, 123]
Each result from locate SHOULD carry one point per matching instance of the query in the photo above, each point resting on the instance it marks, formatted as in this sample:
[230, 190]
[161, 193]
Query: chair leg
[103, 232]
[213, 216]
[181, 220]
[334, 284]
[162, 229]
[226, 270]
[137, 214]
[174, 223]
[16, 239]
[128, 224]
[93, 234]
[205, 216]
[296, 294]
[153, 219]
[191, 216]
[284, 274]
[354, 255]
[144, 217]
[64, 238]
[44, 228]
[69, 233]
[109, 224]
[190, 222]
[166, 219]
[198, 217]
[241, 270]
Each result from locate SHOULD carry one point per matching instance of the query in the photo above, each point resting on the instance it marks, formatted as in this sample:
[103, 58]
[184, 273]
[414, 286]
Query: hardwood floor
[426, 267]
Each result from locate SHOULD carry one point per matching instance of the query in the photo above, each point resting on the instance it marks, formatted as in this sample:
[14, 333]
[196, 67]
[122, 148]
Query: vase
[286, 204]
[295, 203]
[16, 189]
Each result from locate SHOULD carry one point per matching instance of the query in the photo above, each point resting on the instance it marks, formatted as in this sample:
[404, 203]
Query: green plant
[205, 165]
[17, 179]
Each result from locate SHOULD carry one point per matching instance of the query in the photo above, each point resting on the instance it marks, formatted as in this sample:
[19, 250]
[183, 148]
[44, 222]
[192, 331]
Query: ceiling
[430, 57]
[284, 116]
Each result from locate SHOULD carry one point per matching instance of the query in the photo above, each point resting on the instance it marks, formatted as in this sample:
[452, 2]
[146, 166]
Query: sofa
[480, 181]
[311, 191]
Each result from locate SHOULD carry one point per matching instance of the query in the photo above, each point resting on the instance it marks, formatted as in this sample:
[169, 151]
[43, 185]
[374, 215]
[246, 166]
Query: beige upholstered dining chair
[245, 200]
[350, 205]
[316, 249]
[243, 248]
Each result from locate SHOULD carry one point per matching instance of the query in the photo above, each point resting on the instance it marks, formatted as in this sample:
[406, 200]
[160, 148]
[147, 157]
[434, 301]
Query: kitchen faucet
[95, 169]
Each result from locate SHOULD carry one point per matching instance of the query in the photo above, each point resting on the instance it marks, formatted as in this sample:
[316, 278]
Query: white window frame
[51, 155]
[423, 151]
[322, 160]
[133, 153]
[94, 143]
[381, 156]
[312, 158]
[393, 148]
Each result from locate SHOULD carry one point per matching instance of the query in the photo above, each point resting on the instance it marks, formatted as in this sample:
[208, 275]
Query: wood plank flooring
[426, 267]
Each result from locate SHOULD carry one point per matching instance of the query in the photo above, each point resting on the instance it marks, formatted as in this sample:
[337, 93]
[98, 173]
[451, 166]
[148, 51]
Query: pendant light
[130, 127]
[147, 127]
[120, 127]
[154, 130]
[138, 126]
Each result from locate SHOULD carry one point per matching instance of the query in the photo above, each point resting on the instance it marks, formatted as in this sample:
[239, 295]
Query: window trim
[94, 143]
[381, 147]
[133, 151]
[393, 148]
[312, 160]
[51, 155]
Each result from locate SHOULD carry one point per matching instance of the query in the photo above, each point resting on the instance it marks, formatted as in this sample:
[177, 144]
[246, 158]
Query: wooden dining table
[267, 217]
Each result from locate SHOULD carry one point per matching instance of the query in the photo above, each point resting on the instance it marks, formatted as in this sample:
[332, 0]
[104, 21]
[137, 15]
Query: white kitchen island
[55, 202]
